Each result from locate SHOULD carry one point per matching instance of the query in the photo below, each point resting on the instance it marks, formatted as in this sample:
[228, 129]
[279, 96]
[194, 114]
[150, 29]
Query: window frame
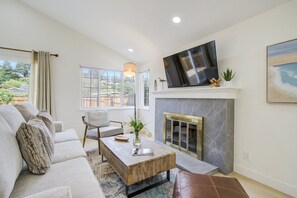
[141, 89]
[100, 71]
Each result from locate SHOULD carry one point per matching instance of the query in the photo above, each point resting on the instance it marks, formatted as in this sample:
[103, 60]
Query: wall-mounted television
[192, 67]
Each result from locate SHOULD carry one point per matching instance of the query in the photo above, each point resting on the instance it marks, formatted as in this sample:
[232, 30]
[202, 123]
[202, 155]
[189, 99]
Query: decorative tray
[121, 138]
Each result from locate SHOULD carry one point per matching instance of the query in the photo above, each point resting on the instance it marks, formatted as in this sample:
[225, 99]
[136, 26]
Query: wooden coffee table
[133, 169]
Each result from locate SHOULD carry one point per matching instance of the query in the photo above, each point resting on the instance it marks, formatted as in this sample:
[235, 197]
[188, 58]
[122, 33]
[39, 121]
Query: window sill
[106, 108]
[144, 108]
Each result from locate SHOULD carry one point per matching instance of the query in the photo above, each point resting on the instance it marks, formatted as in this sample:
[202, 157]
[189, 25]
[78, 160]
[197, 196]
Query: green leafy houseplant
[228, 75]
[136, 125]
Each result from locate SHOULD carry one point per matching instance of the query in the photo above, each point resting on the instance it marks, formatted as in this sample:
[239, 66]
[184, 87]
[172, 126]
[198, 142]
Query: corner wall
[24, 28]
[267, 132]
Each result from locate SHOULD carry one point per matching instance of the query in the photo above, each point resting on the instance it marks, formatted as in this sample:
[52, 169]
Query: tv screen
[192, 67]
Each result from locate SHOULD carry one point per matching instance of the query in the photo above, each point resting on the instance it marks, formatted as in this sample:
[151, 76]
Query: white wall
[25, 28]
[268, 132]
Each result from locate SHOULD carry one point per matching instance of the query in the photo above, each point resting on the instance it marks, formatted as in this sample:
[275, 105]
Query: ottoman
[191, 185]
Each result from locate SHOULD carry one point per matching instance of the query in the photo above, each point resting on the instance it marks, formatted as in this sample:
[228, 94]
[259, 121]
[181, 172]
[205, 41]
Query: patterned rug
[113, 186]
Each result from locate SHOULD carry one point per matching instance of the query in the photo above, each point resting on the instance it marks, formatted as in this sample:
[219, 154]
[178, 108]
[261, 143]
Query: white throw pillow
[11, 159]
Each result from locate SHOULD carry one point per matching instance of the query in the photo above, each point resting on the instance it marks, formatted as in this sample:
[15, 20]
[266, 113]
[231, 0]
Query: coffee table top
[123, 150]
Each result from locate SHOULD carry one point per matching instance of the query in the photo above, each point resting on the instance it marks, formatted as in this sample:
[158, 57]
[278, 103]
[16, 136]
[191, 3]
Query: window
[106, 88]
[129, 91]
[144, 89]
[110, 89]
[14, 76]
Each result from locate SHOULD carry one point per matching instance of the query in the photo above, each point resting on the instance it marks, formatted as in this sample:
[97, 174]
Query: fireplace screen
[184, 132]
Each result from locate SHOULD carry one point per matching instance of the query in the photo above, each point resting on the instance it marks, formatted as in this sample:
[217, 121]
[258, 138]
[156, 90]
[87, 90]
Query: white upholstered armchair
[98, 126]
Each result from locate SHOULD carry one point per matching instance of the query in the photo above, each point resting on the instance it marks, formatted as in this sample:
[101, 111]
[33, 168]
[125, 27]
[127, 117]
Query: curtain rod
[21, 50]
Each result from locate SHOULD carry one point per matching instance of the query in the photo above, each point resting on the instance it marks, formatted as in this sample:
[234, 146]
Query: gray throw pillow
[27, 109]
[48, 120]
[32, 149]
[46, 135]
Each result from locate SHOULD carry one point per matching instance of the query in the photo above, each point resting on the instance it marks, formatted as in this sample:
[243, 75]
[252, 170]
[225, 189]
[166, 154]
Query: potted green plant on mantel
[137, 126]
[228, 75]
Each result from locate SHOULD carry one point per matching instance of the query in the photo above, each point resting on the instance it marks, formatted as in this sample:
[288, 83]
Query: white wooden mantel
[198, 92]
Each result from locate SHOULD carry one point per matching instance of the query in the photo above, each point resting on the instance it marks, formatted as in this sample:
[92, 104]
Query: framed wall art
[282, 72]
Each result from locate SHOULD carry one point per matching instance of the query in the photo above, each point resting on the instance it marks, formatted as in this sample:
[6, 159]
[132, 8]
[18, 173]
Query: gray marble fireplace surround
[218, 136]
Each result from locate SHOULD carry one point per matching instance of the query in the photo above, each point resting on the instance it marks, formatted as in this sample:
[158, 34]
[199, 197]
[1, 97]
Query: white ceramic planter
[228, 83]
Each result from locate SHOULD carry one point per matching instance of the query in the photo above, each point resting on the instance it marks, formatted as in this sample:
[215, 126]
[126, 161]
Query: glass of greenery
[137, 125]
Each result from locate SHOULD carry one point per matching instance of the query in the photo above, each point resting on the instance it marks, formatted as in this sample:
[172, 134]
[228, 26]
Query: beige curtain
[40, 93]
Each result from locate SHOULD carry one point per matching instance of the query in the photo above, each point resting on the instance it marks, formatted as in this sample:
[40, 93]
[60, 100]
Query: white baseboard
[267, 180]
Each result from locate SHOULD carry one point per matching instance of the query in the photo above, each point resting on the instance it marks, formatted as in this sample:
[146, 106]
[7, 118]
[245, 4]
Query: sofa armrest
[58, 126]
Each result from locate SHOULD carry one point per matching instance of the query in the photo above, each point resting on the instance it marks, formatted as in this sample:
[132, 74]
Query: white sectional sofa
[69, 175]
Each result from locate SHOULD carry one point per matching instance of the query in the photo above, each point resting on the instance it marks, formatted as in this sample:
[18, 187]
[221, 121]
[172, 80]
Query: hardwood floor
[256, 189]
[253, 188]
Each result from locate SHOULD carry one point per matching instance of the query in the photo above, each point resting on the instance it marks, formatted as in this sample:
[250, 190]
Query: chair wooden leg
[99, 141]
[84, 140]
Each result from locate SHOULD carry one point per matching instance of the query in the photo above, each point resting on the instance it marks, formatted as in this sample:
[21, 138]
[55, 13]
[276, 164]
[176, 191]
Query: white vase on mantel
[228, 84]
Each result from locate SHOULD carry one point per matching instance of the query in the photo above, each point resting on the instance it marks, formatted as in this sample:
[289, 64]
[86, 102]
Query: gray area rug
[113, 186]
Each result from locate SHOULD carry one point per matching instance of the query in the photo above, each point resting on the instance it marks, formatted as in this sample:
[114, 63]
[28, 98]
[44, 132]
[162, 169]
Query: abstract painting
[282, 72]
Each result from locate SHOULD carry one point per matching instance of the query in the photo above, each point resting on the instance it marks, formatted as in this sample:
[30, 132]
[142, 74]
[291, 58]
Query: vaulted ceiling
[146, 26]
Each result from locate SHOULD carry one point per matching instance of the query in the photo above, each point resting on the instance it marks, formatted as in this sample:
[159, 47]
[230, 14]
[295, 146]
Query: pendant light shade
[130, 69]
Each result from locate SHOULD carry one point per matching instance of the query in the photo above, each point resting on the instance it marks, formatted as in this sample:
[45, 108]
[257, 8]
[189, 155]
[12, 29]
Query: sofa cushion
[32, 148]
[12, 116]
[75, 173]
[105, 132]
[68, 150]
[11, 159]
[27, 109]
[67, 135]
[48, 140]
[58, 126]
[48, 120]
[59, 192]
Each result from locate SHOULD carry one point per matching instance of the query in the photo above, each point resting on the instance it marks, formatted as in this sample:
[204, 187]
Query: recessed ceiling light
[176, 19]
[130, 50]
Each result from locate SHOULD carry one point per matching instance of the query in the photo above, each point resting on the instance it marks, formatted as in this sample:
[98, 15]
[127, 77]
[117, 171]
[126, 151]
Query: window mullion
[113, 91]
[98, 87]
[90, 95]
[122, 89]
[141, 85]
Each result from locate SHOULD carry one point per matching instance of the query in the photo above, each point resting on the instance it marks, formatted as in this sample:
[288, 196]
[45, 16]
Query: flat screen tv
[192, 67]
